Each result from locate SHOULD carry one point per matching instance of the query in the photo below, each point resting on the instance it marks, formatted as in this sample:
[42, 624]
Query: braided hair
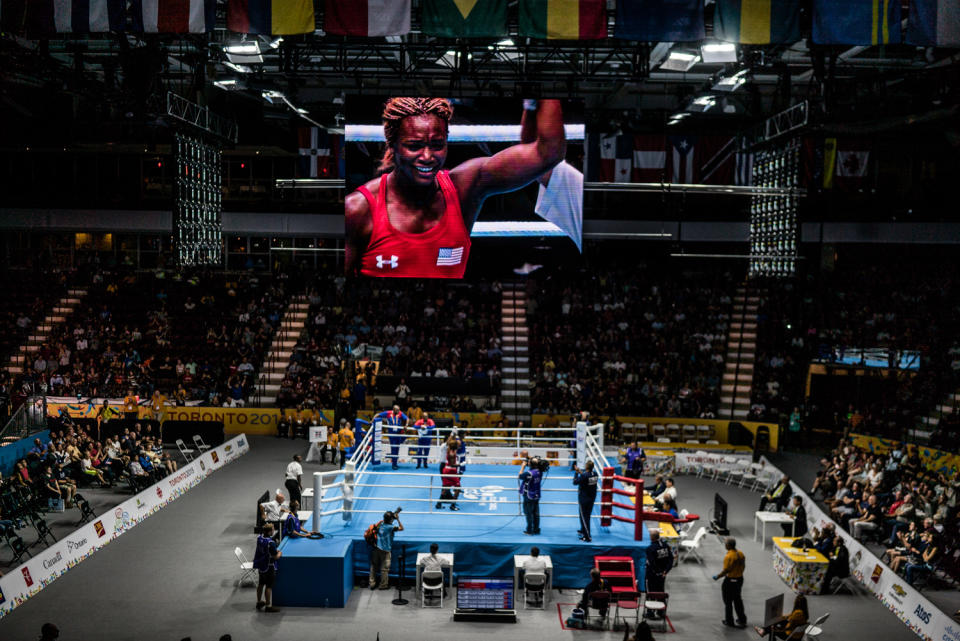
[396, 109]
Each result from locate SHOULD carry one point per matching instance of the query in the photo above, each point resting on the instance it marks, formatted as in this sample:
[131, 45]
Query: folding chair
[185, 451]
[43, 531]
[656, 603]
[704, 432]
[534, 584]
[18, 547]
[673, 431]
[689, 432]
[628, 601]
[431, 581]
[86, 512]
[692, 546]
[201, 446]
[749, 474]
[814, 630]
[246, 567]
[600, 601]
[658, 431]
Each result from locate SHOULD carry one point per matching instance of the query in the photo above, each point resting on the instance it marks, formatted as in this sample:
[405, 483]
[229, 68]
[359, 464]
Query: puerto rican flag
[682, 157]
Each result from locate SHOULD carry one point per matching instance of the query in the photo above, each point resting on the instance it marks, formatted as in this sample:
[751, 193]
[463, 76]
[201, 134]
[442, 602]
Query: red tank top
[440, 252]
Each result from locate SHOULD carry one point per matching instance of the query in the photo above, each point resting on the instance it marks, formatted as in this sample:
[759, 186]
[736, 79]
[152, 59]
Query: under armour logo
[393, 262]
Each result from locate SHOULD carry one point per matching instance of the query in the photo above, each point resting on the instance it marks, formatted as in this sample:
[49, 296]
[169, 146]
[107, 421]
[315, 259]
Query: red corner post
[638, 511]
[606, 497]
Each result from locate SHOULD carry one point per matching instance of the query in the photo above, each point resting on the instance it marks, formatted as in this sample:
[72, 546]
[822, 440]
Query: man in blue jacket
[586, 481]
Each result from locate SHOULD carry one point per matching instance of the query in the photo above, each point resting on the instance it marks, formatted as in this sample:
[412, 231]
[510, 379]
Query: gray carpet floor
[174, 576]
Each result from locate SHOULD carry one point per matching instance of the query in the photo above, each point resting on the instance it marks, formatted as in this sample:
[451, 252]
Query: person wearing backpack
[265, 562]
[380, 549]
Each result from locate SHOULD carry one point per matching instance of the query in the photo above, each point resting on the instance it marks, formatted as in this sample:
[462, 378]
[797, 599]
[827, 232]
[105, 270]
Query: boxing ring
[487, 531]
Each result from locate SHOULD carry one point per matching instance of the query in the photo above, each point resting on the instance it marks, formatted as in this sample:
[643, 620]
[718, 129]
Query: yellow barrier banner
[252, 420]
[935, 460]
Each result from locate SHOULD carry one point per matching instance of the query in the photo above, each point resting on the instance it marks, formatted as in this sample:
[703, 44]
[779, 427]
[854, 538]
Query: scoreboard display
[480, 594]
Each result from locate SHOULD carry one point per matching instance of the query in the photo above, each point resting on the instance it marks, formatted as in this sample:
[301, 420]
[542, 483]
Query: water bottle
[326, 603]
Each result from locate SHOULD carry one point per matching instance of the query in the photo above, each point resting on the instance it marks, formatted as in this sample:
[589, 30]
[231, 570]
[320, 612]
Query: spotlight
[719, 52]
[680, 61]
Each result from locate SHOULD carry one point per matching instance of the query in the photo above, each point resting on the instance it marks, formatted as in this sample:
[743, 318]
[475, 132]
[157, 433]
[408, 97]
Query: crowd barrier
[25, 581]
[917, 612]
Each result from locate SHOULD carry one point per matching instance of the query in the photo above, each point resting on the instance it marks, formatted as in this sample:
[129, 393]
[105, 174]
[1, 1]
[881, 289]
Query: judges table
[804, 573]
[446, 560]
[769, 517]
[520, 559]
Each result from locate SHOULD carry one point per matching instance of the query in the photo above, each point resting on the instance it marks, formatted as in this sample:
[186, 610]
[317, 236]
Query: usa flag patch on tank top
[449, 256]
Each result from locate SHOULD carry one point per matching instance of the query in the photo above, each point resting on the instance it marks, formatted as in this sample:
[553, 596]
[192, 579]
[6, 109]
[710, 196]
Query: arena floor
[175, 576]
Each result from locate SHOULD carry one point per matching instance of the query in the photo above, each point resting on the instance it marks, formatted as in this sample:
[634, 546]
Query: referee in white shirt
[294, 481]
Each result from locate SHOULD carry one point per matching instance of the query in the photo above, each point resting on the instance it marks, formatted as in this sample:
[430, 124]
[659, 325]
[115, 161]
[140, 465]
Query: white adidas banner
[46, 566]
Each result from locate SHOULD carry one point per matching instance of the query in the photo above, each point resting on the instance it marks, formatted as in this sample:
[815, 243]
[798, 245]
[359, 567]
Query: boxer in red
[451, 484]
[414, 221]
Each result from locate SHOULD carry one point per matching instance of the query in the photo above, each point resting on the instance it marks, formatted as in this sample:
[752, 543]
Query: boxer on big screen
[414, 221]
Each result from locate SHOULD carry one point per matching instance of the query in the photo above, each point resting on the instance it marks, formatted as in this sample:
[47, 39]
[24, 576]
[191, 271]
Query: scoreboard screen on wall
[427, 175]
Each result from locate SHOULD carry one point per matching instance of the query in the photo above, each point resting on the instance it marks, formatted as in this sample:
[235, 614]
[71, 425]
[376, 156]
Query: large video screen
[425, 176]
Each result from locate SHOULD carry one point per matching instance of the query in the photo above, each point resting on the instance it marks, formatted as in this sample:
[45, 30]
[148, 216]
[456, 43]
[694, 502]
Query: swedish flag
[856, 22]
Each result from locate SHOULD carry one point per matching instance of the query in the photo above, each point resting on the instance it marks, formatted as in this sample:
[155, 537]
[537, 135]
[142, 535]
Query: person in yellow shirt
[734, 563]
[797, 620]
[345, 439]
[415, 413]
[157, 403]
[331, 445]
[130, 406]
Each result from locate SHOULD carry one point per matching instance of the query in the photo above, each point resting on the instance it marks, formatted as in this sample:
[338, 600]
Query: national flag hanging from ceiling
[743, 172]
[681, 159]
[616, 158]
[371, 18]
[649, 158]
[757, 22]
[271, 17]
[659, 20]
[75, 16]
[464, 18]
[563, 19]
[174, 16]
[856, 22]
[846, 163]
[934, 23]
[320, 153]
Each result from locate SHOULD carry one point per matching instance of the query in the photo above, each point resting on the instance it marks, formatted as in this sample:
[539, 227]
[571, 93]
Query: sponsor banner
[256, 420]
[921, 616]
[934, 460]
[45, 567]
[691, 462]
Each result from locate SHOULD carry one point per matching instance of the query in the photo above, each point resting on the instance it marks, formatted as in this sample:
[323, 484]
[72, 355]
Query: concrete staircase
[278, 357]
[741, 354]
[41, 332]
[515, 384]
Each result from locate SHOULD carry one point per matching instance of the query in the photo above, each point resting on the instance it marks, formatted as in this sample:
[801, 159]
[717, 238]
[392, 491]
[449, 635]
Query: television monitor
[719, 514]
[478, 594]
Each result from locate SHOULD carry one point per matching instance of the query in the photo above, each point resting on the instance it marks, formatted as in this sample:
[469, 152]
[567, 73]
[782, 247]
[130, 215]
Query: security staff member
[635, 459]
[395, 420]
[733, 565]
[659, 562]
[425, 427]
[586, 482]
[530, 491]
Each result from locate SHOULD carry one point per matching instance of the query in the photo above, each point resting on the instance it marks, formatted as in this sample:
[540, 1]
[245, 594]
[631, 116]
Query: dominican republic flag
[659, 20]
[370, 18]
[856, 22]
[319, 153]
[271, 17]
[174, 16]
[75, 16]
[449, 256]
[681, 157]
[934, 23]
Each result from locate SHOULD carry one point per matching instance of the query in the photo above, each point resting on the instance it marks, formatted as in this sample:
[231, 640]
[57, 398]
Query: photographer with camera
[379, 538]
[531, 476]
